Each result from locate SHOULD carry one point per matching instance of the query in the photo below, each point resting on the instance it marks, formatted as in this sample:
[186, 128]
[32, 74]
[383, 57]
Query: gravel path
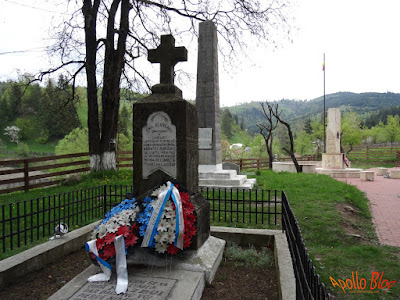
[384, 195]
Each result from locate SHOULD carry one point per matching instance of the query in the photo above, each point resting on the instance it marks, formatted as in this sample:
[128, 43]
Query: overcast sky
[359, 38]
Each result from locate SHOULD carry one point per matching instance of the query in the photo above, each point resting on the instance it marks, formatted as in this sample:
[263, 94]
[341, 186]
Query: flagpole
[323, 69]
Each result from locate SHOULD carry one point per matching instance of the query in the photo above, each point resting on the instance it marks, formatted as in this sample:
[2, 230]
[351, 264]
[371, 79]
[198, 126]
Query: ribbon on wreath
[121, 268]
[155, 218]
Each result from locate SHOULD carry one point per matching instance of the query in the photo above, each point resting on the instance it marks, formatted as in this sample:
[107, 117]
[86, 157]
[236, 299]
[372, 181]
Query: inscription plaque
[159, 145]
[139, 287]
[205, 138]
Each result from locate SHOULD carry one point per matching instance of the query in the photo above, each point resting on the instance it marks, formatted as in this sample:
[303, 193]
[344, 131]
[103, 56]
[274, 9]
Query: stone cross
[167, 55]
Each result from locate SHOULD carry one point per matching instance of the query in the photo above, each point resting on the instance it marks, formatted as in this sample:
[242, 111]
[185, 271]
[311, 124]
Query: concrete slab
[381, 171]
[367, 175]
[205, 260]
[340, 173]
[288, 166]
[153, 284]
[395, 173]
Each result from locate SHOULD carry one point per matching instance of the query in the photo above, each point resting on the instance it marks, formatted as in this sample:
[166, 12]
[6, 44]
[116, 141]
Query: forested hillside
[298, 111]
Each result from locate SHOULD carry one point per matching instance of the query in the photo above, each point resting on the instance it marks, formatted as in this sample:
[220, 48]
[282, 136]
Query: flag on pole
[323, 65]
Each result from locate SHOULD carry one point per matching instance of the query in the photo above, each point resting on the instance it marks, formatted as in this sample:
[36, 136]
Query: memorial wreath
[163, 222]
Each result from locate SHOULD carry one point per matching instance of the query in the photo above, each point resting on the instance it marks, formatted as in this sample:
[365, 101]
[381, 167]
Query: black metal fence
[26, 222]
[244, 206]
[308, 282]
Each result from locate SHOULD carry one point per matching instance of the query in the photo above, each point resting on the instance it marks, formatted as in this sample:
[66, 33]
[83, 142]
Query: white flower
[133, 213]
[170, 237]
[172, 224]
[159, 190]
[168, 206]
[123, 219]
[102, 231]
[161, 248]
[169, 214]
[112, 227]
[162, 226]
[157, 238]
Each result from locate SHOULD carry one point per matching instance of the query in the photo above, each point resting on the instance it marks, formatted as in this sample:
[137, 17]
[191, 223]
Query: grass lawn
[319, 203]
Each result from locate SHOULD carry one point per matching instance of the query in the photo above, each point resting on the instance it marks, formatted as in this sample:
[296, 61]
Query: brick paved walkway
[384, 195]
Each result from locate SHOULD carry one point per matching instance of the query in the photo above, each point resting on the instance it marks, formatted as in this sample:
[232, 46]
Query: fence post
[241, 164]
[104, 199]
[367, 153]
[26, 175]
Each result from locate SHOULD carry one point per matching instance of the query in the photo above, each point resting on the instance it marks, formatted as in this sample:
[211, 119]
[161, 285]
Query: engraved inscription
[159, 145]
[205, 138]
[139, 287]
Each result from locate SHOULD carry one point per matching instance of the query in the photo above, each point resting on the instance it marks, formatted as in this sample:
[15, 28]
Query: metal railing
[308, 282]
[244, 206]
[25, 222]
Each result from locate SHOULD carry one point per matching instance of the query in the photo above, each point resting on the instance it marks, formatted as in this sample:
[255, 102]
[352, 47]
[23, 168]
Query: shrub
[23, 150]
[44, 137]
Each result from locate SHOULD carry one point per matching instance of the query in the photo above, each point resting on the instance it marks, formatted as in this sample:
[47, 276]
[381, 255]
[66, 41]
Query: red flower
[134, 228]
[109, 238]
[100, 243]
[185, 197]
[172, 249]
[186, 242]
[92, 256]
[123, 230]
[109, 251]
[131, 239]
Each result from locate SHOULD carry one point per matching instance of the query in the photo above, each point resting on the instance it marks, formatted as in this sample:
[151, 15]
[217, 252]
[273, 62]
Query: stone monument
[211, 173]
[165, 128]
[333, 158]
[165, 137]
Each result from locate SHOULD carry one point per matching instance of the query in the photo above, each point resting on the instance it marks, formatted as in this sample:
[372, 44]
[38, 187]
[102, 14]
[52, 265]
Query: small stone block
[381, 171]
[395, 174]
[367, 176]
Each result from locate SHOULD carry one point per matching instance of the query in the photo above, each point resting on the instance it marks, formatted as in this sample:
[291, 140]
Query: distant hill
[297, 110]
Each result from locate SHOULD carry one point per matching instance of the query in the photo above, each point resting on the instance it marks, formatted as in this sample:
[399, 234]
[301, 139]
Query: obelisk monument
[333, 158]
[207, 99]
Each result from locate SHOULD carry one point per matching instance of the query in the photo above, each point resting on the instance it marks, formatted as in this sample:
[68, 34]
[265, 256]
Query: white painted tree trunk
[95, 162]
[107, 161]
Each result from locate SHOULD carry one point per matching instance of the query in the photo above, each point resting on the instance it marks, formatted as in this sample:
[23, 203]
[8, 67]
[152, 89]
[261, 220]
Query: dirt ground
[230, 282]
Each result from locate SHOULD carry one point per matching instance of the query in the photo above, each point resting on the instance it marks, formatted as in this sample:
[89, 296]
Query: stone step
[236, 181]
[247, 184]
[222, 174]
[340, 173]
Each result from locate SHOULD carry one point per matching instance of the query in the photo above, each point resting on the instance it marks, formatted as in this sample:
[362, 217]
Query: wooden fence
[26, 174]
[262, 163]
[387, 154]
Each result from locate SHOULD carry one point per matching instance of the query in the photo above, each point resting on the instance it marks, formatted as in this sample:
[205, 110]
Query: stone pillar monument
[333, 158]
[211, 170]
[207, 99]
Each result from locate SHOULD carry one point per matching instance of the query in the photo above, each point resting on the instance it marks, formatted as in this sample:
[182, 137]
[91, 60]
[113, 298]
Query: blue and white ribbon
[120, 257]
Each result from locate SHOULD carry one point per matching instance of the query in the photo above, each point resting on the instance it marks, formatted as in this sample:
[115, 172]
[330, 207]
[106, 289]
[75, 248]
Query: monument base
[182, 277]
[216, 177]
[332, 161]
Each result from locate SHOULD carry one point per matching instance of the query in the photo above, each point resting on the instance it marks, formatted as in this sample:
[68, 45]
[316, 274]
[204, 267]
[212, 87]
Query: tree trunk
[102, 144]
[113, 66]
[90, 15]
[290, 151]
